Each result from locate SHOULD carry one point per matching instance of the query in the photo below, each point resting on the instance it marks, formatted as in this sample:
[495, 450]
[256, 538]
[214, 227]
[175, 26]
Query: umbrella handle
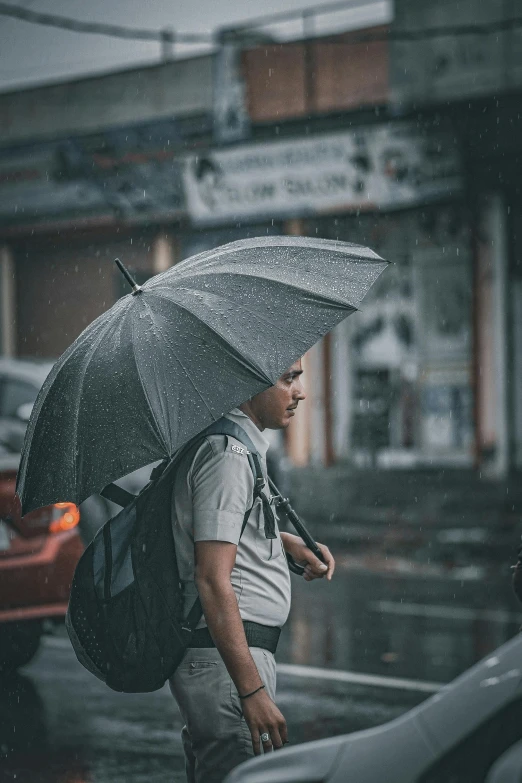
[296, 521]
[293, 566]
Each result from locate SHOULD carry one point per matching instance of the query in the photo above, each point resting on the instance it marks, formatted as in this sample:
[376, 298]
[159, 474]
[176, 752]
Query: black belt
[265, 636]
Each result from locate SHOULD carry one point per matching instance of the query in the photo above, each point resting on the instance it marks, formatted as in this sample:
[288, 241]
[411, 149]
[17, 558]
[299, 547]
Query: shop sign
[386, 166]
[128, 173]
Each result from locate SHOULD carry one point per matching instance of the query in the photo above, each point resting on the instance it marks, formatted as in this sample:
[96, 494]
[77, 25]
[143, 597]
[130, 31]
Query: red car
[38, 554]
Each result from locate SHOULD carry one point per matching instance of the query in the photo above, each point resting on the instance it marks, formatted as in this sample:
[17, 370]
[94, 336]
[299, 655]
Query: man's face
[274, 408]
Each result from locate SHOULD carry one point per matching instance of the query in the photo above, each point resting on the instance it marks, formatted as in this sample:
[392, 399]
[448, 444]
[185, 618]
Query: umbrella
[177, 353]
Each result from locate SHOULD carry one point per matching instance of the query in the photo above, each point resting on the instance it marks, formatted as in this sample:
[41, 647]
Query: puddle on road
[416, 622]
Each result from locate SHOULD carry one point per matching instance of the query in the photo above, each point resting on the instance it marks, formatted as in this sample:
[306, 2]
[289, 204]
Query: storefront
[402, 380]
[393, 385]
[67, 208]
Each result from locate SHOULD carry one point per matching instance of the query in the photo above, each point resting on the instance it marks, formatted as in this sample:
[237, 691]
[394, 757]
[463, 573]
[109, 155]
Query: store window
[402, 383]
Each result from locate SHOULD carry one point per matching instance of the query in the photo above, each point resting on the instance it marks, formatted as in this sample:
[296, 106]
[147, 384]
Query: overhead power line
[100, 28]
[168, 36]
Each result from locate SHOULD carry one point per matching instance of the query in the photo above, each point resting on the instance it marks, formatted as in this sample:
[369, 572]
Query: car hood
[312, 763]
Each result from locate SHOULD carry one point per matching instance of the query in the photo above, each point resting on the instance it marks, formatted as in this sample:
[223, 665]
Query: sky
[32, 54]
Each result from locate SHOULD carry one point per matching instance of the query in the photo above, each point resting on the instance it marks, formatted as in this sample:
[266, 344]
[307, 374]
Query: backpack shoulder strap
[224, 426]
[117, 495]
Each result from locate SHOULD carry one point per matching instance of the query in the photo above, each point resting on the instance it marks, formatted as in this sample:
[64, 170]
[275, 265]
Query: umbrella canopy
[167, 360]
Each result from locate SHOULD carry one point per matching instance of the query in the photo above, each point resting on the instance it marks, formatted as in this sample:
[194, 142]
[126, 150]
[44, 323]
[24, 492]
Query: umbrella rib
[144, 390]
[207, 257]
[188, 376]
[192, 382]
[95, 328]
[330, 299]
[263, 376]
[287, 330]
[90, 354]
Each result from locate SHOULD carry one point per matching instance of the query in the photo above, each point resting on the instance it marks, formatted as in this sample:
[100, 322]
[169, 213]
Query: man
[225, 685]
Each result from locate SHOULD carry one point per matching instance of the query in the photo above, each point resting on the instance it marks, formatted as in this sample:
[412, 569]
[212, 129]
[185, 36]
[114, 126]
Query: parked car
[456, 736]
[20, 382]
[39, 552]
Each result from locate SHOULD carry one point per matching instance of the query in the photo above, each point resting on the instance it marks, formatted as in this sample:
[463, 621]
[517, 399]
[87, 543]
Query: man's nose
[300, 393]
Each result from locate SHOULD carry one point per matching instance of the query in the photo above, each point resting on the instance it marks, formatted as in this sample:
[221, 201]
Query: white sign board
[385, 166]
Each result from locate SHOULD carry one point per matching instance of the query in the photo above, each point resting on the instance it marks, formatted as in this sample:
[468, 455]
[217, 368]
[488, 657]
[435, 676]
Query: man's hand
[214, 563]
[262, 716]
[313, 567]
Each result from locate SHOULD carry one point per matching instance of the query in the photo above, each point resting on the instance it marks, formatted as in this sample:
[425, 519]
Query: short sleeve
[222, 492]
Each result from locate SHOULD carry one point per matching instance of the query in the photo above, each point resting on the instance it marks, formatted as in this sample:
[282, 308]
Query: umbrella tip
[128, 277]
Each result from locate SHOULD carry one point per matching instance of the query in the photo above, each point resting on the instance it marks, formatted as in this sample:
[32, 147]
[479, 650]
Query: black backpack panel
[125, 615]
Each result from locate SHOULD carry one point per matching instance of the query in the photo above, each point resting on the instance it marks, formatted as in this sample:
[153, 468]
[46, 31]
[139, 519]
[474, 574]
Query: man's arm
[214, 563]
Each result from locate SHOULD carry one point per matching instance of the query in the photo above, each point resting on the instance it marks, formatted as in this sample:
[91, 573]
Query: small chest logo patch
[237, 449]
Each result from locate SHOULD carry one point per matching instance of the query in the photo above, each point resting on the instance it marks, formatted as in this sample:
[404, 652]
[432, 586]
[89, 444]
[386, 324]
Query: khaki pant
[215, 737]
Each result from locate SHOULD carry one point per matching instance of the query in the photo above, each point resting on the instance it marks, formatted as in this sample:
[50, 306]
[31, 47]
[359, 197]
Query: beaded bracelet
[248, 695]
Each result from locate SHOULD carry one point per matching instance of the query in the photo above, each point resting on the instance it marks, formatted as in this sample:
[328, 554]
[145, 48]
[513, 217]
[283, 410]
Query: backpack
[125, 614]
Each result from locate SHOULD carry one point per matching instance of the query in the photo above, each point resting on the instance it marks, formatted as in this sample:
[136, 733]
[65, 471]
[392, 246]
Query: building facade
[323, 136]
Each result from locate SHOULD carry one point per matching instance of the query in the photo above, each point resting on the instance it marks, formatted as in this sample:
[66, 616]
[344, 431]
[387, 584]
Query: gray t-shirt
[213, 490]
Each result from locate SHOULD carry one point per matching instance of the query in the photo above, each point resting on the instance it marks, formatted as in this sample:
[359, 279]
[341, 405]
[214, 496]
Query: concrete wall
[432, 69]
[180, 88]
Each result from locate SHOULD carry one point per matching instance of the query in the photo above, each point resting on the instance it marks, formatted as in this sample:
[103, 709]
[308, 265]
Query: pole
[168, 38]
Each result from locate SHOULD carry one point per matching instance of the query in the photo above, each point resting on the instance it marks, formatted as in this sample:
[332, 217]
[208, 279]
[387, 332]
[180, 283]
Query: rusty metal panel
[350, 72]
[325, 75]
[275, 78]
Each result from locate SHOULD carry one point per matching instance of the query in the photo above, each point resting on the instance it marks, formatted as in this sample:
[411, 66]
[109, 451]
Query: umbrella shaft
[128, 277]
[296, 521]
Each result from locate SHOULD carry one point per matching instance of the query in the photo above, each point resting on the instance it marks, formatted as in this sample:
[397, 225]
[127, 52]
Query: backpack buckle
[260, 483]
[158, 470]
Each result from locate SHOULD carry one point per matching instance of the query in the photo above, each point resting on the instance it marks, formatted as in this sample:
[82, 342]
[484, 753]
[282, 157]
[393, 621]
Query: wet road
[403, 614]
[58, 724]
[385, 615]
